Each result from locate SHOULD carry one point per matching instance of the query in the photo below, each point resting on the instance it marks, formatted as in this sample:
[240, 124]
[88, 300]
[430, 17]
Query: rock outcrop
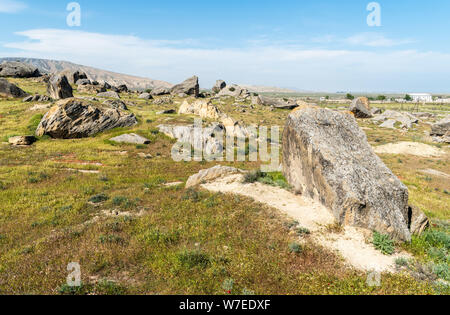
[391, 118]
[37, 98]
[234, 91]
[119, 104]
[199, 107]
[160, 91]
[131, 138]
[360, 107]
[146, 96]
[109, 94]
[327, 156]
[75, 118]
[59, 88]
[73, 76]
[278, 103]
[15, 69]
[22, 140]
[440, 131]
[188, 87]
[8, 89]
[219, 86]
[418, 221]
[210, 174]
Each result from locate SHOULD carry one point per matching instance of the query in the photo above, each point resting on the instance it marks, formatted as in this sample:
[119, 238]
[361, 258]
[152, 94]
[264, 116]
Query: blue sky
[321, 45]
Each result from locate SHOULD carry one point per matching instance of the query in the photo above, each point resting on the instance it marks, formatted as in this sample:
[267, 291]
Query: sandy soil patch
[409, 148]
[351, 244]
[435, 173]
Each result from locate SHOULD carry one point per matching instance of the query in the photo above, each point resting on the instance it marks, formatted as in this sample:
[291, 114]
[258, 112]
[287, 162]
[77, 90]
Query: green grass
[168, 240]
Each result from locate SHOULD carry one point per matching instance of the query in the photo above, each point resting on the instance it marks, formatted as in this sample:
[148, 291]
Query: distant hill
[267, 89]
[51, 66]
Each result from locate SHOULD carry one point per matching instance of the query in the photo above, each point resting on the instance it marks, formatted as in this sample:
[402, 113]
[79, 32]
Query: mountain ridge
[113, 78]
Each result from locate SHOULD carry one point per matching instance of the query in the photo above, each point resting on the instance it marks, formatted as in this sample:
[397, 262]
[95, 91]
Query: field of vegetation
[109, 207]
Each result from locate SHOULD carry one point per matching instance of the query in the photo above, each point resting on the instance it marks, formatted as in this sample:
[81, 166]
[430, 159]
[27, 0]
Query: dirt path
[410, 148]
[351, 244]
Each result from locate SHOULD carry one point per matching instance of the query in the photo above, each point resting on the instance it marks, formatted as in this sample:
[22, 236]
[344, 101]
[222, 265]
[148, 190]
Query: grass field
[132, 234]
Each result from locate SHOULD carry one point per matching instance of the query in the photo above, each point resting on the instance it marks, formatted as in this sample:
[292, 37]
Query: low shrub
[383, 243]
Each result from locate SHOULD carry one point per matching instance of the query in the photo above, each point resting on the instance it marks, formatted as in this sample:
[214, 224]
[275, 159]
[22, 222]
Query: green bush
[401, 262]
[99, 198]
[193, 259]
[295, 248]
[383, 243]
[442, 271]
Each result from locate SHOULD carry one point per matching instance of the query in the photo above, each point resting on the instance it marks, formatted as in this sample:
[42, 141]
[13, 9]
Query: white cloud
[375, 40]
[283, 66]
[11, 6]
[364, 40]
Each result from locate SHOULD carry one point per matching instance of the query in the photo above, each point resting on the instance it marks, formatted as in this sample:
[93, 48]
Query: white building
[421, 97]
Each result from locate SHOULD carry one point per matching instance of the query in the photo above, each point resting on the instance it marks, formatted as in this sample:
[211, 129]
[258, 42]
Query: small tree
[408, 98]
[350, 97]
[381, 98]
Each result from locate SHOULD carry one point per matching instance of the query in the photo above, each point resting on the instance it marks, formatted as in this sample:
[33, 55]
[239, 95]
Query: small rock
[22, 140]
[109, 94]
[360, 107]
[210, 174]
[131, 138]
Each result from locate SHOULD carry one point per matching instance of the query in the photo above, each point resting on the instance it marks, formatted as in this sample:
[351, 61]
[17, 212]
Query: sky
[314, 45]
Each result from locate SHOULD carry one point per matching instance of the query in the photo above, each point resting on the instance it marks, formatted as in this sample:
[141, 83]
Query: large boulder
[109, 94]
[8, 89]
[278, 103]
[75, 118]
[18, 70]
[122, 88]
[326, 156]
[199, 107]
[90, 89]
[157, 91]
[441, 130]
[131, 138]
[146, 96]
[403, 119]
[189, 87]
[58, 87]
[418, 221]
[234, 91]
[360, 107]
[73, 76]
[219, 86]
[119, 104]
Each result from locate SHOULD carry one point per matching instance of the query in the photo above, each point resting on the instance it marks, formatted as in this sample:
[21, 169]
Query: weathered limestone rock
[200, 107]
[22, 140]
[234, 91]
[327, 157]
[146, 96]
[360, 107]
[15, 69]
[109, 94]
[278, 103]
[8, 89]
[59, 88]
[189, 87]
[75, 118]
[116, 104]
[90, 89]
[210, 175]
[73, 76]
[37, 98]
[219, 86]
[441, 130]
[157, 91]
[131, 138]
[406, 120]
[418, 221]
